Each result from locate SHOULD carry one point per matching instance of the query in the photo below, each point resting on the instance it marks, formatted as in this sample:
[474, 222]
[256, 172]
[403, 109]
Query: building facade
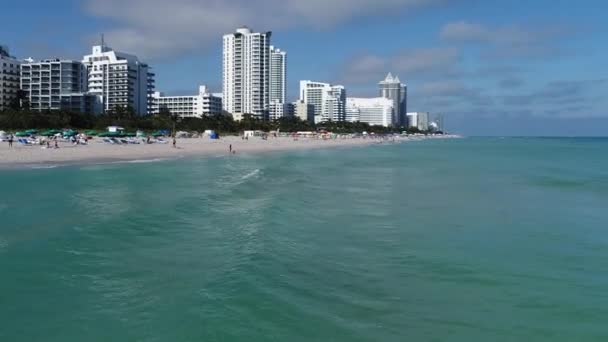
[246, 73]
[278, 75]
[279, 110]
[55, 84]
[418, 120]
[392, 88]
[119, 80]
[376, 111]
[304, 111]
[328, 101]
[197, 106]
[9, 79]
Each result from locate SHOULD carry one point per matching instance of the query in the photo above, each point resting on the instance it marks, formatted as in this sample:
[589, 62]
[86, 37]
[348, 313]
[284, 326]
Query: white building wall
[246, 73]
[119, 79]
[278, 110]
[329, 101]
[9, 78]
[374, 111]
[278, 74]
[195, 106]
[304, 111]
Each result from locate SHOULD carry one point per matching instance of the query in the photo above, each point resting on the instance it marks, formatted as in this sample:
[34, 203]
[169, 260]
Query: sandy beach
[99, 151]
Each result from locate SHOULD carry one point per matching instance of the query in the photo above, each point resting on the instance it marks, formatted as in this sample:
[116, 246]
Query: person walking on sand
[174, 142]
[10, 141]
[230, 148]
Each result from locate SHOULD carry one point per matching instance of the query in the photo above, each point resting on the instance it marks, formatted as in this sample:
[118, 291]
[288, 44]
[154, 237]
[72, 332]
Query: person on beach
[174, 142]
[230, 148]
[56, 144]
[10, 141]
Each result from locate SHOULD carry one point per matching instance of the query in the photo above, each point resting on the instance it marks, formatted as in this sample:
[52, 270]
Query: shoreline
[100, 153]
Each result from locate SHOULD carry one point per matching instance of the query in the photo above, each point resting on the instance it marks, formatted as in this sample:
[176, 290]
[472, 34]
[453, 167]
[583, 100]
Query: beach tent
[70, 133]
[214, 136]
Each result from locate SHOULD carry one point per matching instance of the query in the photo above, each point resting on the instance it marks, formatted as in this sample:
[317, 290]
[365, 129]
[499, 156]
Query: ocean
[476, 239]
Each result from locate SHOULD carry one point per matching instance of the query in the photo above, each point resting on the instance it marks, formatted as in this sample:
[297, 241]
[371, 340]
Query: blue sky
[491, 67]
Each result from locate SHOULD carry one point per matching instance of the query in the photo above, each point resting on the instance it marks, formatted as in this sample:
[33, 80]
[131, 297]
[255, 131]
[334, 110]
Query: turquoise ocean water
[477, 239]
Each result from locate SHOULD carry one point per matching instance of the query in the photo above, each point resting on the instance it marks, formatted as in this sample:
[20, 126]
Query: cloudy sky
[503, 67]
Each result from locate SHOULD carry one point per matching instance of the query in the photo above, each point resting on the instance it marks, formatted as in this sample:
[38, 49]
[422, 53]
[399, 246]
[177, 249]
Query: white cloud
[163, 28]
[416, 63]
[508, 41]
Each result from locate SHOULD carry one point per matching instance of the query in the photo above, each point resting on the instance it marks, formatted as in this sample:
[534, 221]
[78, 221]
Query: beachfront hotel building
[392, 88]
[246, 73]
[418, 120]
[278, 74]
[196, 106]
[9, 78]
[279, 110]
[56, 84]
[304, 111]
[119, 80]
[328, 101]
[376, 111]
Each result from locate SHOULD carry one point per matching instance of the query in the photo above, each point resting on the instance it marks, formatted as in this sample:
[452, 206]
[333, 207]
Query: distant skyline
[493, 68]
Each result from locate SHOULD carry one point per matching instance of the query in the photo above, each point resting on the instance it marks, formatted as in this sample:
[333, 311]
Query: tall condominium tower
[278, 64]
[246, 73]
[9, 78]
[119, 80]
[392, 88]
[329, 101]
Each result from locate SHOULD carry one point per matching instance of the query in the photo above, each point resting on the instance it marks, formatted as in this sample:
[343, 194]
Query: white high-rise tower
[392, 88]
[278, 64]
[246, 74]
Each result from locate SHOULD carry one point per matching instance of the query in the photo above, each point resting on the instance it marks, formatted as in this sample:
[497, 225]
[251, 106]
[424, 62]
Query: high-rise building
[119, 80]
[392, 88]
[197, 106]
[329, 101]
[246, 73]
[9, 78]
[55, 84]
[278, 74]
[304, 111]
[374, 111]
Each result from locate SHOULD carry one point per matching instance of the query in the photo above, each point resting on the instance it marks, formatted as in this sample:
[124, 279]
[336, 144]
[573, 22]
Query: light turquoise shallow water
[463, 240]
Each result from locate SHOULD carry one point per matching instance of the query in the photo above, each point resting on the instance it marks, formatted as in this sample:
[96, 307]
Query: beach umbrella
[157, 134]
[70, 133]
[91, 133]
[22, 134]
[31, 131]
[130, 135]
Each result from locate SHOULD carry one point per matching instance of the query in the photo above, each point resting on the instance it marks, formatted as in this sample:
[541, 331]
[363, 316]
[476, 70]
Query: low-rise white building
[195, 106]
[304, 111]
[9, 78]
[377, 111]
[278, 110]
